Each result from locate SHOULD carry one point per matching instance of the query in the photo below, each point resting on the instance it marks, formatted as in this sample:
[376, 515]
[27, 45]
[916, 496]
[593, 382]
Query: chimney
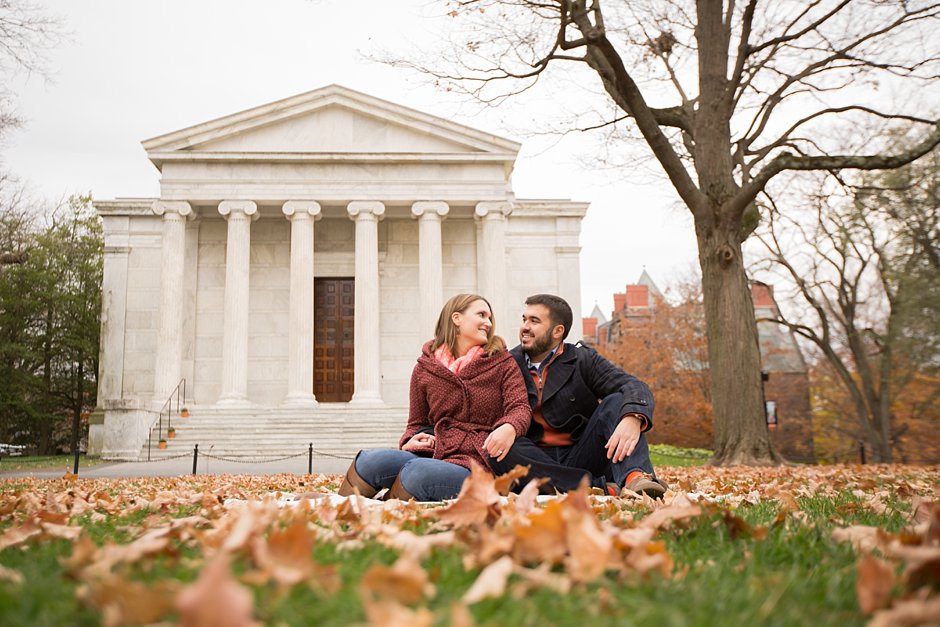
[620, 303]
[589, 328]
[638, 296]
[763, 295]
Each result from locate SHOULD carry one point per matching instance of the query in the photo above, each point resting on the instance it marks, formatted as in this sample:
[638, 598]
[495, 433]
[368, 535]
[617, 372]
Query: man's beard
[540, 344]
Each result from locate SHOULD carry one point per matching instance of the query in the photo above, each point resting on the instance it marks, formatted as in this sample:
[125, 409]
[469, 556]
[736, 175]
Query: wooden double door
[334, 312]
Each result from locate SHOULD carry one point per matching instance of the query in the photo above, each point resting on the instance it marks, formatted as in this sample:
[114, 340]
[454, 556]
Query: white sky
[132, 69]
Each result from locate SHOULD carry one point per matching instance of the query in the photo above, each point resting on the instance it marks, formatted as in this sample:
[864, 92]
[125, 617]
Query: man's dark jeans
[566, 466]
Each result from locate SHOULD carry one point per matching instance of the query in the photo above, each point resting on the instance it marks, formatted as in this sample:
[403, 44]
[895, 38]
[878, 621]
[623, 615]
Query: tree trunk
[741, 434]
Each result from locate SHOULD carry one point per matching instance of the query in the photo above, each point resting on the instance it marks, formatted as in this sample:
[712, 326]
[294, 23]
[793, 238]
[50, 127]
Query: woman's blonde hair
[446, 331]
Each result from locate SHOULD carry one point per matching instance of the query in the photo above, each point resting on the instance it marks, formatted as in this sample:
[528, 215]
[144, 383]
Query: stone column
[430, 265]
[366, 215]
[302, 214]
[169, 332]
[239, 214]
[491, 262]
[113, 310]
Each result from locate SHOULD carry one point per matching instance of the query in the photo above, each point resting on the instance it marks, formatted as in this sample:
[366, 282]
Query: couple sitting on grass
[560, 409]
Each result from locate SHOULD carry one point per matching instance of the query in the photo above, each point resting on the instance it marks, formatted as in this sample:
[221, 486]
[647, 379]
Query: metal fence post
[195, 457]
[310, 459]
[861, 451]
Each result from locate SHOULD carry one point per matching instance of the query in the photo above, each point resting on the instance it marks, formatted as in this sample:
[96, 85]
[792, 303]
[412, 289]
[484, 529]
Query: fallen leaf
[215, 599]
[874, 584]
[405, 581]
[10, 576]
[18, 535]
[491, 582]
[391, 613]
[909, 613]
[504, 482]
[478, 500]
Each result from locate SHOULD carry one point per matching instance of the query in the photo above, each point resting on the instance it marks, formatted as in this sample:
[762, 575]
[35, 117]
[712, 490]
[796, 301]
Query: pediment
[331, 120]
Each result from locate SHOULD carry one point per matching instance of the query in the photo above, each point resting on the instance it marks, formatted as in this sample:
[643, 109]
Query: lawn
[732, 546]
[47, 462]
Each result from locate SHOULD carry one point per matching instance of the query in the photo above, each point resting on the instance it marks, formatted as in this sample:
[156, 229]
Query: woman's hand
[419, 441]
[498, 443]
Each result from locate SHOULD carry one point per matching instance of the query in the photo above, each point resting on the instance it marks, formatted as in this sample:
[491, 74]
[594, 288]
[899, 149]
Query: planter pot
[184, 413]
[171, 434]
[162, 443]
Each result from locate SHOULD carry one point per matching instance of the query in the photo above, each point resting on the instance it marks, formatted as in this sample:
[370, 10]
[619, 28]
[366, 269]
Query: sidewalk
[184, 466]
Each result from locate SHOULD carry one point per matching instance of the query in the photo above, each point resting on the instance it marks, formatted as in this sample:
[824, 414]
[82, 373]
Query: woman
[468, 403]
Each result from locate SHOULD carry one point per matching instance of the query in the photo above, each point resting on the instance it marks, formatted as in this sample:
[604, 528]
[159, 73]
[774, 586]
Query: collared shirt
[538, 367]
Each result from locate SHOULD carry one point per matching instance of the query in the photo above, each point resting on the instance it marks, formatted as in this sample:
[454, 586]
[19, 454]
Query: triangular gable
[332, 119]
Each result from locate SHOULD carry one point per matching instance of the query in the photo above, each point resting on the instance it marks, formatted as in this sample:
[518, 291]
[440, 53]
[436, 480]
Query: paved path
[184, 466]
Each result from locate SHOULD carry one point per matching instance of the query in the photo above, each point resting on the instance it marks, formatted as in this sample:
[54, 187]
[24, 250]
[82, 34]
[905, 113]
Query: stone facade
[213, 282]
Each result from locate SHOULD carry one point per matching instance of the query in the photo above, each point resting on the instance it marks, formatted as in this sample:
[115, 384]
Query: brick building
[786, 376]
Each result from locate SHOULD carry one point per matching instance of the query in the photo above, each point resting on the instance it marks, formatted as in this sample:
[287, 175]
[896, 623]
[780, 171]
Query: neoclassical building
[295, 261]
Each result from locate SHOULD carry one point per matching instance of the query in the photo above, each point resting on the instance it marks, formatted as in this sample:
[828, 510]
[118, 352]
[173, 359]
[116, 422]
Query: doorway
[334, 312]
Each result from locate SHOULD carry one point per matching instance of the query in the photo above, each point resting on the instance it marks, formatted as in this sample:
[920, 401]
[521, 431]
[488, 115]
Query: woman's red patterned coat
[465, 408]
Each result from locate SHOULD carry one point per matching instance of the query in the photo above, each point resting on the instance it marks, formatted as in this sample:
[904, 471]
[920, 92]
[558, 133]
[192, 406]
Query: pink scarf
[443, 355]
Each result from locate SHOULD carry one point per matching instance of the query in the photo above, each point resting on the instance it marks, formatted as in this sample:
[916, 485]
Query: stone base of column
[366, 399]
[300, 401]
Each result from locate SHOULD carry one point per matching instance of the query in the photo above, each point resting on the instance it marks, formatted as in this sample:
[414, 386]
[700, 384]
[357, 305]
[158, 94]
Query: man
[589, 416]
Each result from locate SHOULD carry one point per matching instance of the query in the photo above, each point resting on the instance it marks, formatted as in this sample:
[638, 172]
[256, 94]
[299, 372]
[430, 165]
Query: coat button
[571, 398]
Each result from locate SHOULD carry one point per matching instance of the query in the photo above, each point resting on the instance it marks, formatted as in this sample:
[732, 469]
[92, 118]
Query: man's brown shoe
[643, 483]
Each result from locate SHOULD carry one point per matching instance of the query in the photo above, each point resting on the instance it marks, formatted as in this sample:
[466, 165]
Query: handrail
[168, 408]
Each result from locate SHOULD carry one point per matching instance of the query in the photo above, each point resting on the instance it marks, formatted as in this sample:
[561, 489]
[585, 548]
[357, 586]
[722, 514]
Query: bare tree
[744, 86]
[26, 34]
[866, 293]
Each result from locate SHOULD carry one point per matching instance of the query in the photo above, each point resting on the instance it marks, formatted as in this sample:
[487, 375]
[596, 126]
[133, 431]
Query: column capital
[361, 208]
[493, 209]
[430, 208]
[164, 207]
[302, 209]
[248, 207]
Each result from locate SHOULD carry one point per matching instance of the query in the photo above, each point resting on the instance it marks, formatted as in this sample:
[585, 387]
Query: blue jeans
[566, 466]
[424, 478]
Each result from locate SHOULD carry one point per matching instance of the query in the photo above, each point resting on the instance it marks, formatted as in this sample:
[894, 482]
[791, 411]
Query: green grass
[47, 462]
[796, 575]
[668, 455]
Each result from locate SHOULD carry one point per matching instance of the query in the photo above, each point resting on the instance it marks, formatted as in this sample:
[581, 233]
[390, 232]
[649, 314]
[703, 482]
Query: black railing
[175, 402]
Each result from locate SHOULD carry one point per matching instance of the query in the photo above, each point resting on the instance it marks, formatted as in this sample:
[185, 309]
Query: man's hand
[498, 443]
[419, 441]
[624, 439]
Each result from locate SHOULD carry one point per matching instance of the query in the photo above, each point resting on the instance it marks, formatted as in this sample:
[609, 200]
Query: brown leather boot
[353, 480]
[398, 491]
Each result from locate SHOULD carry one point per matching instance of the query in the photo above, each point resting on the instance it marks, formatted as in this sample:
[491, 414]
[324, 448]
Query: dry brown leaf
[391, 613]
[215, 599]
[18, 535]
[541, 535]
[286, 554]
[126, 602]
[405, 581]
[914, 612]
[863, 537]
[665, 515]
[589, 547]
[10, 576]
[504, 483]
[491, 581]
[874, 584]
[478, 500]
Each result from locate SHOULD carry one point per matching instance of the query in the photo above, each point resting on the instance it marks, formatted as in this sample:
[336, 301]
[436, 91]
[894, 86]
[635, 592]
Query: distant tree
[49, 326]
[726, 96]
[26, 34]
[667, 349]
[867, 297]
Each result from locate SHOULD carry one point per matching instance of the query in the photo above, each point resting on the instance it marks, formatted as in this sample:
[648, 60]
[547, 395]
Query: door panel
[333, 339]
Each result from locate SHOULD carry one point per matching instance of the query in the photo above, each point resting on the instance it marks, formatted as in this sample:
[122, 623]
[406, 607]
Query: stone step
[254, 433]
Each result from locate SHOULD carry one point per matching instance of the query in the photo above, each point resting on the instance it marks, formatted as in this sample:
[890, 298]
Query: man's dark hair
[558, 309]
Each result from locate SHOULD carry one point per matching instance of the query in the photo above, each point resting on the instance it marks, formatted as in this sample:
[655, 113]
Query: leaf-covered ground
[784, 546]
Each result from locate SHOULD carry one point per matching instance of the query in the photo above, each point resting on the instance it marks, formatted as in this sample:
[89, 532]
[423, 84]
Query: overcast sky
[131, 70]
